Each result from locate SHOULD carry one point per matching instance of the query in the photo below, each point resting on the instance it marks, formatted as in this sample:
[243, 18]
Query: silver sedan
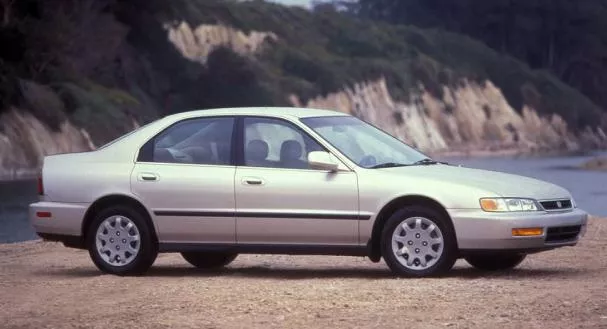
[215, 183]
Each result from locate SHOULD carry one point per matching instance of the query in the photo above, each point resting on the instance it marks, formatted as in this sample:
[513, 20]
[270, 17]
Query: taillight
[40, 186]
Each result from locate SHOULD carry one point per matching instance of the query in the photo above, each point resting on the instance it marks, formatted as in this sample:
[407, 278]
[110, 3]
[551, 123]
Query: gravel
[45, 285]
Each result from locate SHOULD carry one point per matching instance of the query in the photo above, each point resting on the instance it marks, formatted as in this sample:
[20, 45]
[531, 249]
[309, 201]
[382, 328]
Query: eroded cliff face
[197, 43]
[25, 140]
[470, 118]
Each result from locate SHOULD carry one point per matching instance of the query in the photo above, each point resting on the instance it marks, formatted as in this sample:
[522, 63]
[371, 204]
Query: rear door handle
[148, 177]
[252, 181]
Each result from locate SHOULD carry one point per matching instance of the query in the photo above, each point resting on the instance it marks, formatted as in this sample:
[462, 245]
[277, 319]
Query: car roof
[293, 112]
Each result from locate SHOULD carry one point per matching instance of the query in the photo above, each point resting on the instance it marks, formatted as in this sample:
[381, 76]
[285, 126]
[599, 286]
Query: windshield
[364, 144]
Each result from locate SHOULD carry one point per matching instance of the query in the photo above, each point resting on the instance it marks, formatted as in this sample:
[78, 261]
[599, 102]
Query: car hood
[506, 185]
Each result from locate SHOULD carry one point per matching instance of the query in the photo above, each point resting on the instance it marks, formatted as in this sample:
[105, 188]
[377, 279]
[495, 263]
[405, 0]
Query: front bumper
[478, 230]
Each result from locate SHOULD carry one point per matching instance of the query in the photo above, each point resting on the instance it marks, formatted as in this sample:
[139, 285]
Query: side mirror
[322, 161]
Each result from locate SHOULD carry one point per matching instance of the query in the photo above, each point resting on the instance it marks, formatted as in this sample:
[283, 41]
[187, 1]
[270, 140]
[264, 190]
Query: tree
[7, 10]
[567, 37]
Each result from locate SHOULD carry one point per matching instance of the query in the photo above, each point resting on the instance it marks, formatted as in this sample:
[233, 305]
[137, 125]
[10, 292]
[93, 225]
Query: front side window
[192, 141]
[362, 143]
[277, 144]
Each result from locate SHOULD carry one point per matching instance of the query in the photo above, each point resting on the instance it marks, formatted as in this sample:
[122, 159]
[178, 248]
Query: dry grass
[44, 285]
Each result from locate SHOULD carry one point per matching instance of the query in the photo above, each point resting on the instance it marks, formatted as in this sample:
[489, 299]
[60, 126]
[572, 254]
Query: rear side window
[194, 141]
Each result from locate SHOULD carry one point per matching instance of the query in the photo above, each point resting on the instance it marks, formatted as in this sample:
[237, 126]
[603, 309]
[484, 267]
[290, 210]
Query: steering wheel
[367, 161]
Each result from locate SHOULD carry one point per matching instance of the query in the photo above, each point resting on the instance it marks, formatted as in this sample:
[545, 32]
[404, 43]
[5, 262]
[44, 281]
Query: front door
[280, 200]
[186, 176]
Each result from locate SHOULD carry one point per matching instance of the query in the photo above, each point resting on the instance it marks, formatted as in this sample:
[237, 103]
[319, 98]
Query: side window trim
[238, 141]
[242, 136]
[145, 152]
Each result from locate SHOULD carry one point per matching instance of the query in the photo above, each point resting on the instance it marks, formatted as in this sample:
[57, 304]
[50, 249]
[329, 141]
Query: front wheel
[495, 262]
[418, 241]
[209, 260]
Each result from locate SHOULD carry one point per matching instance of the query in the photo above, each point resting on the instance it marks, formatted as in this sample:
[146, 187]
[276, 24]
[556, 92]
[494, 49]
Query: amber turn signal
[532, 231]
[489, 205]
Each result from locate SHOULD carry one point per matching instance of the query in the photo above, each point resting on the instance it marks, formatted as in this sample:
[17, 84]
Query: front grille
[556, 204]
[563, 233]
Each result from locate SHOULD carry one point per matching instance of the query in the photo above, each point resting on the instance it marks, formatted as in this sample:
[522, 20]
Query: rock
[595, 164]
[197, 43]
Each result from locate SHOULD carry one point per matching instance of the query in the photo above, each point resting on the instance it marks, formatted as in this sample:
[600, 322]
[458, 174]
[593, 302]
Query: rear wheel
[209, 260]
[120, 241]
[417, 242]
[498, 262]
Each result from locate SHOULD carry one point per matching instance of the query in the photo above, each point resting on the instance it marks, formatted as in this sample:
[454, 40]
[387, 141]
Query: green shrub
[42, 102]
[100, 115]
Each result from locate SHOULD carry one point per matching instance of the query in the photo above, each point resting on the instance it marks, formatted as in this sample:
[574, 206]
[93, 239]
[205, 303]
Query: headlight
[508, 204]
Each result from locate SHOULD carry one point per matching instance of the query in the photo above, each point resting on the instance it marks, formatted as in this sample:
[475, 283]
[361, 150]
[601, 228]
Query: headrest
[257, 150]
[290, 150]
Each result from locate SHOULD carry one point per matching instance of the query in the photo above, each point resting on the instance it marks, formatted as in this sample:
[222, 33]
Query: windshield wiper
[388, 165]
[426, 161]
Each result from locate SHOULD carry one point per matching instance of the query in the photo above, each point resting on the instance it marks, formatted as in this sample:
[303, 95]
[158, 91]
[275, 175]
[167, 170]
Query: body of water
[15, 197]
[589, 188]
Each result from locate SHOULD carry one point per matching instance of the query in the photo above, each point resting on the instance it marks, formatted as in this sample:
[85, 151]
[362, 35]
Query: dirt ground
[44, 285]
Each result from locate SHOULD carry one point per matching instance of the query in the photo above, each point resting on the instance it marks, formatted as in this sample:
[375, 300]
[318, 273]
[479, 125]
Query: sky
[294, 2]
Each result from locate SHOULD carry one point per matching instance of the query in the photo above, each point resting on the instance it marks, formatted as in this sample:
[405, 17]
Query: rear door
[185, 175]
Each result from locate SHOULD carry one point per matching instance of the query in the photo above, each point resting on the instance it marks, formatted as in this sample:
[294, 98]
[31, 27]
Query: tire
[209, 260]
[135, 256]
[491, 262]
[421, 243]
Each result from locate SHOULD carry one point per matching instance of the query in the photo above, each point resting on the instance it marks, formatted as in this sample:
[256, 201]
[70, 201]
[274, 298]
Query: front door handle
[148, 177]
[252, 181]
